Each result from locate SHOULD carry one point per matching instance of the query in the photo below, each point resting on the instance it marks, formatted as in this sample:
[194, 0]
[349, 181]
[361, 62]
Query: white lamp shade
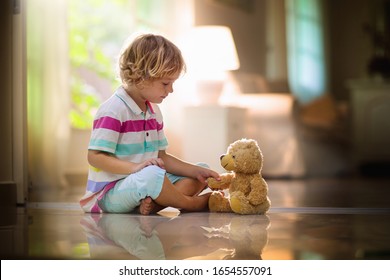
[210, 48]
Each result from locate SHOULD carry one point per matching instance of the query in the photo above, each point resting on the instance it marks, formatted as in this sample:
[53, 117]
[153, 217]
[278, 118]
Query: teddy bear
[249, 236]
[247, 191]
[237, 237]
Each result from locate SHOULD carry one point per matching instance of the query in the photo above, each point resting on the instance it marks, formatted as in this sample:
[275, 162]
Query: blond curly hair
[149, 57]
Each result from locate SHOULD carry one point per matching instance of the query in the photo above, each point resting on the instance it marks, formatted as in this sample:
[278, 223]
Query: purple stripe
[108, 123]
[96, 208]
[95, 187]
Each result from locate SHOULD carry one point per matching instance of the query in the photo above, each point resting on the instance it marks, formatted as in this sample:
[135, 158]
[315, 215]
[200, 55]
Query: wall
[259, 36]
[260, 44]
[350, 47]
[260, 39]
[13, 164]
[248, 28]
[6, 92]
[7, 185]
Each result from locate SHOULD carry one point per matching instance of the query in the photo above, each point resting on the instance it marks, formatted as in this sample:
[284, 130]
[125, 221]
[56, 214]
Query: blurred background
[309, 80]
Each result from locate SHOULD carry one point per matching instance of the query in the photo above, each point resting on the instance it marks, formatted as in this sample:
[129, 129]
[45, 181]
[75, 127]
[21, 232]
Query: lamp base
[209, 91]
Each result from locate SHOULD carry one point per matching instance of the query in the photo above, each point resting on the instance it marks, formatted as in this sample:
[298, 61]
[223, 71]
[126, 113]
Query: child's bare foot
[198, 203]
[148, 206]
[146, 226]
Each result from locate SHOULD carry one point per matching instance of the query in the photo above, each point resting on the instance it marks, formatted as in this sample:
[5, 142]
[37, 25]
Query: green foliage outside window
[95, 36]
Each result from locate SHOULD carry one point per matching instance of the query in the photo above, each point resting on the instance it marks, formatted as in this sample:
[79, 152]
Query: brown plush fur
[247, 189]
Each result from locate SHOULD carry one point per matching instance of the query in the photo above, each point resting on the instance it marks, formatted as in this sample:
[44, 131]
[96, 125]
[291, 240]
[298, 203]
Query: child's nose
[170, 89]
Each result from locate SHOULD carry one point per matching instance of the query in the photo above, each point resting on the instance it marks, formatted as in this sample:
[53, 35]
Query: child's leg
[137, 189]
[190, 187]
[186, 186]
[171, 196]
[151, 190]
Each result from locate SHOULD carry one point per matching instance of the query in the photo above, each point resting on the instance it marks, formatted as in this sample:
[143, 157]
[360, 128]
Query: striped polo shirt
[122, 129]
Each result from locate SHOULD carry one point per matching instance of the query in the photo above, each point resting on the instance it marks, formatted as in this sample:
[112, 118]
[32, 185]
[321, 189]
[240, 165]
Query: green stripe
[105, 144]
[129, 149]
[140, 148]
[163, 142]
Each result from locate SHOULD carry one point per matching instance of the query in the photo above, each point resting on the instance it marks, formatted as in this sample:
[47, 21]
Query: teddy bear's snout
[227, 162]
[221, 157]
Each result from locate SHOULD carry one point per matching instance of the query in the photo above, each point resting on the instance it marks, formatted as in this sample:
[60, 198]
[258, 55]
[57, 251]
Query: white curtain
[48, 92]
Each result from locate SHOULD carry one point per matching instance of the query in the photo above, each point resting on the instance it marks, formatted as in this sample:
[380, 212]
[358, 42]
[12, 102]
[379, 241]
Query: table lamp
[210, 52]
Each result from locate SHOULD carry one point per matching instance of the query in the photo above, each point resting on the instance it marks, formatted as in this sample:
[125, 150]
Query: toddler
[130, 169]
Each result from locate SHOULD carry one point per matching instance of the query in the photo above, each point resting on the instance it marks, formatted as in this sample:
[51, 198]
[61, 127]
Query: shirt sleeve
[105, 132]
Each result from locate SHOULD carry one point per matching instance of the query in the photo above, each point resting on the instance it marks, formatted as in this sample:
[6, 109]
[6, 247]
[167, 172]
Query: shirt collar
[122, 94]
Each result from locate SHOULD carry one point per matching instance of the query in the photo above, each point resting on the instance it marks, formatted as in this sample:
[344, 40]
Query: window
[306, 51]
[97, 30]
[72, 49]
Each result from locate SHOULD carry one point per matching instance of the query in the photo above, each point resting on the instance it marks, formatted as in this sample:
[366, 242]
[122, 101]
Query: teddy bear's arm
[224, 183]
[259, 191]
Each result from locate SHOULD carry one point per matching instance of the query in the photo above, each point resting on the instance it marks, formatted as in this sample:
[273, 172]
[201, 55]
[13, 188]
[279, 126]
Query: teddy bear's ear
[252, 143]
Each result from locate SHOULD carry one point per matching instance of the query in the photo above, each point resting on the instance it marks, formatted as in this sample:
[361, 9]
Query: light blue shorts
[127, 193]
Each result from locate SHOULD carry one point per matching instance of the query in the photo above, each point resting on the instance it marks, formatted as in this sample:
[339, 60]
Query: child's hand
[223, 183]
[205, 173]
[152, 161]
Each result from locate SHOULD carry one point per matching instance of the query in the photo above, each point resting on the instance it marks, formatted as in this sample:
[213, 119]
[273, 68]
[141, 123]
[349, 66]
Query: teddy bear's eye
[233, 156]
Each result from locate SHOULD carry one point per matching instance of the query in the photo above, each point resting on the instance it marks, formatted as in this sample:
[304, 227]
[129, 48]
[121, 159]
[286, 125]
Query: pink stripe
[133, 126]
[141, 125]
[107, 188]
[150, 106]
[127, 126]
[151, 124]
[96, 209]
[108, 123]
[160, 126]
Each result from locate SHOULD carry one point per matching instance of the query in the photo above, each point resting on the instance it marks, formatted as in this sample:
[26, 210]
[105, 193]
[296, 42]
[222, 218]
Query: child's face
[157, 90]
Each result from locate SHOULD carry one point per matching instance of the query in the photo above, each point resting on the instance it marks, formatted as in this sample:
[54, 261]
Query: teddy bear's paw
[236, 205]
[219, 203]
[212, 183]
[240, 204]
[264, 207]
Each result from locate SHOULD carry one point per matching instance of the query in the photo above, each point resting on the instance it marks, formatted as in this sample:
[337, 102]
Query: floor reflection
[186, 236]
[309, 219]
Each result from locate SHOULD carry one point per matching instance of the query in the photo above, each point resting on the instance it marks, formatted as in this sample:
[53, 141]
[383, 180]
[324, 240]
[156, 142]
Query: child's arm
[109, 163]
[177, 166]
